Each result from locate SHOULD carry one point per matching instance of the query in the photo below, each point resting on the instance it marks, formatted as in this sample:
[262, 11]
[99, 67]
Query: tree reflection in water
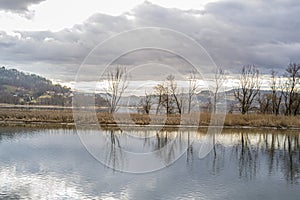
[279, 149]
[247, 155]
[166, 140]
[291, 158]
[248, 148]
[114, 156]
[190, 149]
[162, 139]
[283, 151]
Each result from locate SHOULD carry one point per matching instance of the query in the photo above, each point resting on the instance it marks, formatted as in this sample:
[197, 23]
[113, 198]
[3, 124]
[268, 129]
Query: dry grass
[47, 116]
[66, 116]
[260, 120]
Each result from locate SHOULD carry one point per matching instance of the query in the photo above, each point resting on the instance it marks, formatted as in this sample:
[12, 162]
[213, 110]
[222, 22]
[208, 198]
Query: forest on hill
[29, 89]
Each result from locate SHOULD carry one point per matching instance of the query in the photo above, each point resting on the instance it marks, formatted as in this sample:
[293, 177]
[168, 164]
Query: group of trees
[168, 97]
[283, 97]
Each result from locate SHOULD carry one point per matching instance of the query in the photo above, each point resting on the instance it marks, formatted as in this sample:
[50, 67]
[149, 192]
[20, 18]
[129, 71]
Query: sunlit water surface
[40, 163]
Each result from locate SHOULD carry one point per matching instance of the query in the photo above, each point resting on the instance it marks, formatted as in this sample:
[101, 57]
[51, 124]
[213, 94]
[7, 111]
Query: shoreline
[64, 118]
[117, 126]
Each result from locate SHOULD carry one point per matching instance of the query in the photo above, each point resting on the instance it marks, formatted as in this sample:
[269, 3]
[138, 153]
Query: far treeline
[167, 97]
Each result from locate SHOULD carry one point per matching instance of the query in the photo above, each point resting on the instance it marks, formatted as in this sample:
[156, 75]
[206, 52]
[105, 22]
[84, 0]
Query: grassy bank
[203, 119]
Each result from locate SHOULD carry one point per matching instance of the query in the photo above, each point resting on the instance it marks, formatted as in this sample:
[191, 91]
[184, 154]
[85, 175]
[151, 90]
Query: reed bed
[203, 119]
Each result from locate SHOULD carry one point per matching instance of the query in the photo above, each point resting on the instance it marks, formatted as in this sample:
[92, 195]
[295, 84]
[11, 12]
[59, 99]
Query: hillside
[19, 88]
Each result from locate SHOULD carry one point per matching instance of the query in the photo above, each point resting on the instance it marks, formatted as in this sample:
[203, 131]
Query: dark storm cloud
[237, 32]
[17, 5]
[234, 33]
[261, 32]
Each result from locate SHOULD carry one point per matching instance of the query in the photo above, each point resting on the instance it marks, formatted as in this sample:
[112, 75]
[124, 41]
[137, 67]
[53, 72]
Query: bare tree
[146, 103]
[182, 100]
[192, 90]
[219, 81]
[117, 84]
[265, 103]
[174, 93]
[249, 86]
[276, 96]
[160, 91]
[291, 89]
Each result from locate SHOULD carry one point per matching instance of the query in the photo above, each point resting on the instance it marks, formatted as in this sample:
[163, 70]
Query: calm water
[54, 164]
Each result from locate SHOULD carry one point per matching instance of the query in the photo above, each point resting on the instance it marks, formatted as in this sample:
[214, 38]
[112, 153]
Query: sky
[53, 37]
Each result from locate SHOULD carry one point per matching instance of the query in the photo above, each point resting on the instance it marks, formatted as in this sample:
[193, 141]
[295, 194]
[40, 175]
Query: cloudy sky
[53, 37]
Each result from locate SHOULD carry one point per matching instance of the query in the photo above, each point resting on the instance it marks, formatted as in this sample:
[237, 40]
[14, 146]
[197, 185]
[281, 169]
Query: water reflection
[283, 150]
[114, 154]
[249, 149]
[258, 162]
[14, 185]
[148, 149]
[247, 155]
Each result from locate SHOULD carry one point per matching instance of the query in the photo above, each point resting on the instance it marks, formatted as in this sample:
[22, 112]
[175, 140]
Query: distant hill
[19, 88]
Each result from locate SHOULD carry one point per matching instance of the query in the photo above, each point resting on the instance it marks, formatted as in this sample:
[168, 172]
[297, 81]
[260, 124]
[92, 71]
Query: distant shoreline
[64, 117]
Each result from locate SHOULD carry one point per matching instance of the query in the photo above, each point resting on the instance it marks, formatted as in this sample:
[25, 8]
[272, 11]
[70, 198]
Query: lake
[58, 163]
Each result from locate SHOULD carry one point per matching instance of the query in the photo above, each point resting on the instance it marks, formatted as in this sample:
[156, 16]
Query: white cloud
[234, 32]
[55, 15]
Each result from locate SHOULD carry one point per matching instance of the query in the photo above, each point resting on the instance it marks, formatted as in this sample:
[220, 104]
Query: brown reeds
[204, 119]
